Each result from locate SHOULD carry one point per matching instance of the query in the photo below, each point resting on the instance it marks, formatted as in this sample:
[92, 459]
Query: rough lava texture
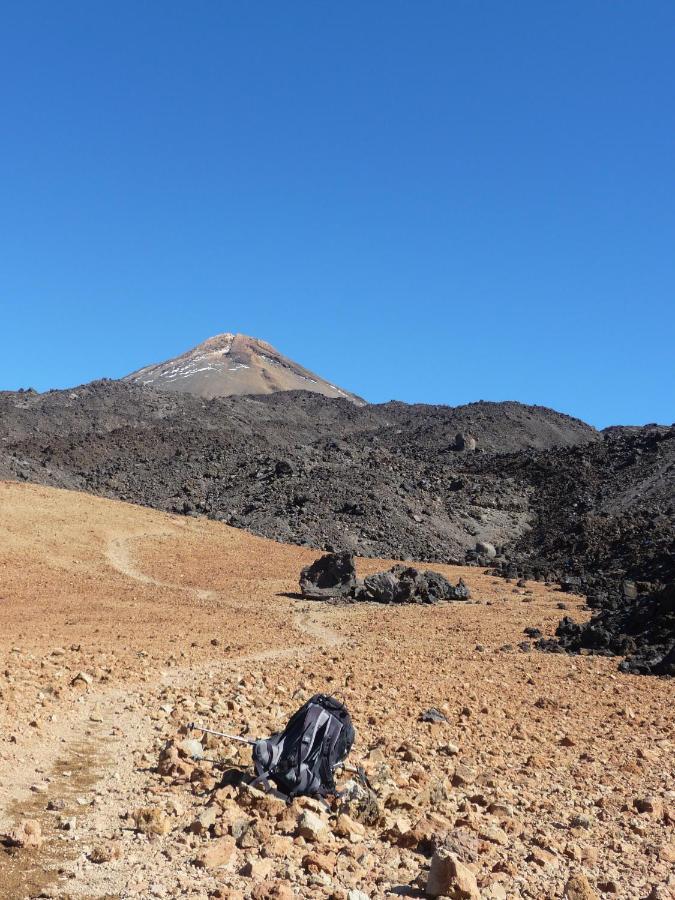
[332, 575]
[377, 480]
[641, 629]
[405, 584]
[526, 776]
[604, 526]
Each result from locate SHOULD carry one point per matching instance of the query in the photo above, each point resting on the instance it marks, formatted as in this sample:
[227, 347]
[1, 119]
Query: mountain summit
[234, 364]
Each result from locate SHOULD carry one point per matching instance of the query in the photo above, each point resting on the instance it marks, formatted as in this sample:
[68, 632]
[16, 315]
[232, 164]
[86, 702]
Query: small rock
[318, 862]
[257, 869]
[311, 826]
[151, 820]
[433, 715]
[26, 836]
[105, 853]
[578, 888]
[449, 749]
[464, 775]
[486, 549]
[205, 820]
[218, 853]
[448, 877]
[191, 748]
[651, 806]
[348, 828]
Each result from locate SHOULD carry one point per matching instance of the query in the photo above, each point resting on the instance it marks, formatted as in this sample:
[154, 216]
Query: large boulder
[333, 575]
[384, 587]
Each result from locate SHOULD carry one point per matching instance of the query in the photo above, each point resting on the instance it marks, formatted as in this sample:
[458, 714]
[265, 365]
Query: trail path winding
[120, 558]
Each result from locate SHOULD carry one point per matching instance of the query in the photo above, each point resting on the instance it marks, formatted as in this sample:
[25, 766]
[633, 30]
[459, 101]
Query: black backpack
[303, 757]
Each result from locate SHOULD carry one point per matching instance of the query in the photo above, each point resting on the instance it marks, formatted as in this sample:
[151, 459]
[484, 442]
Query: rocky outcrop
[333, 576]
[404, 584]
[642, 629]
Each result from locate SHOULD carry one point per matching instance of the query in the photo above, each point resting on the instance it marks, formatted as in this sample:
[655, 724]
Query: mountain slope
[383, 479]
[230, 364]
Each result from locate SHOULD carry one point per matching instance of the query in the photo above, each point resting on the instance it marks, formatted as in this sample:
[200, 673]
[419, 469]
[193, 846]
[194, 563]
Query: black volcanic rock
[641, 629]
[405, 584]
[293, 466]
[332, 575]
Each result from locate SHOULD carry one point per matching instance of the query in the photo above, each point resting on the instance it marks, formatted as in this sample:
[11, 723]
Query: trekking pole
[231, 737]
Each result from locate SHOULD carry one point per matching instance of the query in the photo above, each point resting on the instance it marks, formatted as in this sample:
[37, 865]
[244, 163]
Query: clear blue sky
[436, 201]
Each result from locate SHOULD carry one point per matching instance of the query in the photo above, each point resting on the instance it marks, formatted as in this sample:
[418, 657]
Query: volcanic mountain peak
[229, 364]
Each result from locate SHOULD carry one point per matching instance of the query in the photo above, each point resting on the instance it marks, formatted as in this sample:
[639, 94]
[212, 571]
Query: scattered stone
[257, 869]
[26, 836]
[580, 821]
[191, 748]
[218, 853]
[204, 821]
[651, 806]
[360, 803]
[464, 442]
[311, 826]
[106, 853]
[433, 715]
[483, 548]
[579, 888]
[448, 877]
[348, 828]
[318, 862]
[151, 820]
[463, 775]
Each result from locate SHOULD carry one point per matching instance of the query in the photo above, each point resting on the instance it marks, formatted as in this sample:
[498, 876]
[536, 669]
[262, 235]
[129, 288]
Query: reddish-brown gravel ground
[548, 766]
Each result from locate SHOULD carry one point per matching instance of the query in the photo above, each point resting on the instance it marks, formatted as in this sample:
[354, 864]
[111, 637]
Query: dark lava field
[521, 489]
